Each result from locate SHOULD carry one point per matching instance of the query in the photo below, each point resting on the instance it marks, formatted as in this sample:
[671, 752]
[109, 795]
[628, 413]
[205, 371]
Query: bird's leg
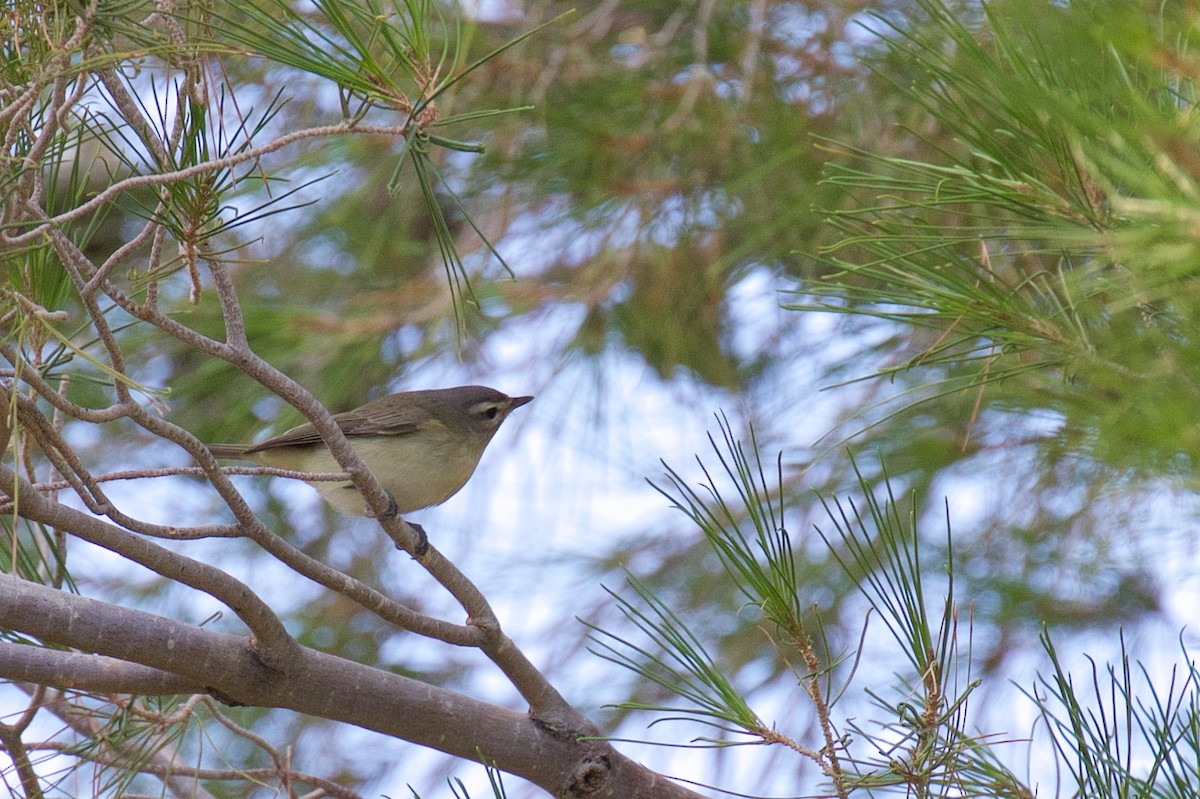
[422, 539]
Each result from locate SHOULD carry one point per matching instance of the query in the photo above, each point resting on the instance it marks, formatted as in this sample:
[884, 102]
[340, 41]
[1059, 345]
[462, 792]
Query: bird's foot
[392, 511]
[422, 540]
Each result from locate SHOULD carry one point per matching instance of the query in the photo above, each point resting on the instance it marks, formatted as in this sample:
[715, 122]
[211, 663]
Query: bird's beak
[517, 402]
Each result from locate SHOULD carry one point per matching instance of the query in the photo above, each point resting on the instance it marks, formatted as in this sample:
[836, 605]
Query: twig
[10, 739]
[183, 783]
[166, 178]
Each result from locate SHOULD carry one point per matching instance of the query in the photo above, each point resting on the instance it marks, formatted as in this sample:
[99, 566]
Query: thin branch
[78, 266]
[63, 459]
[166, 178]
[231, 308]
[132, 113]
[47, 392]
[546, 704]
[10, 739]
[183, 783]
[196, 471]
[149, 232]
[326, 786]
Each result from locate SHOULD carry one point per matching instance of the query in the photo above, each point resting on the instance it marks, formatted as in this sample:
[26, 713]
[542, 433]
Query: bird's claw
[422, 540]
[393, 510]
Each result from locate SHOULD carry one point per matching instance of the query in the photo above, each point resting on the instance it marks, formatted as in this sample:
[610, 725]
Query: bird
[422, 446]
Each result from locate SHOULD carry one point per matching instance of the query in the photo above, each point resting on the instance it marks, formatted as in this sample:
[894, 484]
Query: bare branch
[275, 645]
[55, 398]
[196, 471]
[149, 232]
[124, 103]
[41, 666]
[10, 739]
[330, 687]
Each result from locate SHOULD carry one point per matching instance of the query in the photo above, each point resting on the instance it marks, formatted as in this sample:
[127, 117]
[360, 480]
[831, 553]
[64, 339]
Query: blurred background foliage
[988, 212]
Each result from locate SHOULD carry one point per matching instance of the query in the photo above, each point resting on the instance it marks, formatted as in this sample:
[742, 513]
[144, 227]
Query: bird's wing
[382, 417]
[376, 418]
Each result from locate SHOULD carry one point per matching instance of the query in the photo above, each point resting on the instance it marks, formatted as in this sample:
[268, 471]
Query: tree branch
[272, 640]
[76, 670]
[165, 178]
[334, 688]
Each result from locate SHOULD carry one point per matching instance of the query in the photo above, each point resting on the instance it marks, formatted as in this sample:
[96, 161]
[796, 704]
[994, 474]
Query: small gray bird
[422, 446]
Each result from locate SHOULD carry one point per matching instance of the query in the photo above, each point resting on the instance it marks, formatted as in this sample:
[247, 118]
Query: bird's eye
[492, 412]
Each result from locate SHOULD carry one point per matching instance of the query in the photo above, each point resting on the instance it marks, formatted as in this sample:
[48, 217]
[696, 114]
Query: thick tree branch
[62, 669]
[330, 687]
[272, 639]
